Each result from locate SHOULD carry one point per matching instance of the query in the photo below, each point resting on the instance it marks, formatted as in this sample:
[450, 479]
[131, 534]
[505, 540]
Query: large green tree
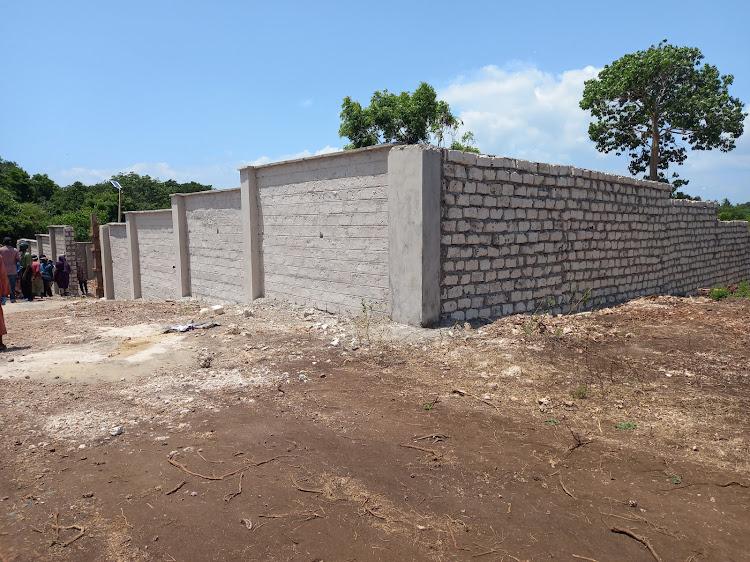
[406, 117]
[647, 104]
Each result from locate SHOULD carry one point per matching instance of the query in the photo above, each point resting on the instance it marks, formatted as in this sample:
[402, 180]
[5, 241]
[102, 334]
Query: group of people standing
[32, 274]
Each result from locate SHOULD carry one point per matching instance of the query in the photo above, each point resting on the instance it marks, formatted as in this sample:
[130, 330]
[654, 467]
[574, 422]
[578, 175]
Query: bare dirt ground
[288, 434]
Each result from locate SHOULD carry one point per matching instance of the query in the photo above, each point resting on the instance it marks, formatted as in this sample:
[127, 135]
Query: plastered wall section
[118, 243]
[156, 255]
[324, 230]
[43, 245]
[33, 245]
[520, 236]
[214, 232]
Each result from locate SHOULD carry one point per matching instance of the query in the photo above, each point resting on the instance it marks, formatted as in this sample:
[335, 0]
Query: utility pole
[119, 199]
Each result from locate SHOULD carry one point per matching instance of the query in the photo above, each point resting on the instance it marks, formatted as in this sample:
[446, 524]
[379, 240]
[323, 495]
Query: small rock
[115, 431]
[233, 329]
[544, 401]
[217, 309]
[193, 494]
[632, 503]
[82, 446]
[302, 378]
[204, 311]
[335, 342]
[248, 523]
[695, 447]
[88, 495]
[247, 313]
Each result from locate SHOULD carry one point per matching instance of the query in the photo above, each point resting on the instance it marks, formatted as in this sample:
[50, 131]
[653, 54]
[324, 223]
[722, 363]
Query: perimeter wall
[425, 234]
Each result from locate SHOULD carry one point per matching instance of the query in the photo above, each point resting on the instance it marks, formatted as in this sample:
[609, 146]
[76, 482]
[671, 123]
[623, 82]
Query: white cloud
[296, 156]
[525, 113]
[306, 102]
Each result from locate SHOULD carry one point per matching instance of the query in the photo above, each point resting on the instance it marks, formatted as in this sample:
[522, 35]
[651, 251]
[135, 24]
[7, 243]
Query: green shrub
[718, 293]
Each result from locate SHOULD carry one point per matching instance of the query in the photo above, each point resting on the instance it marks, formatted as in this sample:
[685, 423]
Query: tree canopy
[28, 204]
[409, 118]
[646, 104]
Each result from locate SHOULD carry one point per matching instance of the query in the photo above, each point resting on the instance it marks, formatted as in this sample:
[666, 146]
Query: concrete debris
[217, 309]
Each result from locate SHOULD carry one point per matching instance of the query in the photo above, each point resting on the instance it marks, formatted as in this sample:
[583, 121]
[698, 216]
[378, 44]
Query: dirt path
[286, 434]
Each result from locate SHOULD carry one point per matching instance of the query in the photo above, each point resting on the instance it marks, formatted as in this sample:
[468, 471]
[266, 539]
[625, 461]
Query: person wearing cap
[26, 272]
[48, 272]
[10, 258]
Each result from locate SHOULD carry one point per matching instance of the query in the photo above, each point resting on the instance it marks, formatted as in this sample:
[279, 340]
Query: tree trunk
[654, 161]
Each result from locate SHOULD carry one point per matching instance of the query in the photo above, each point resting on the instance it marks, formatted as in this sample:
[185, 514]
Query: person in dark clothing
[47, 275]
[62, 275]
[83, 282]
[26, 272]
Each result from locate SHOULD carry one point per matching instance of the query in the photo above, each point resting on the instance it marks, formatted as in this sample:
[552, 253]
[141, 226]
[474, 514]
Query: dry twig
[584, 558]
[229, 497]
[437, 454]
[644, 541]
[565, 489]
[301, 489]
[464, 393]
[173, 490]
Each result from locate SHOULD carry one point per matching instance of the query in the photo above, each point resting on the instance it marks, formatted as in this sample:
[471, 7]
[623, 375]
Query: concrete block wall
[214, 241]
[427, 233]
[324, 229]
[155, 256]
[119, 261]
[704, 252]
[519, 236]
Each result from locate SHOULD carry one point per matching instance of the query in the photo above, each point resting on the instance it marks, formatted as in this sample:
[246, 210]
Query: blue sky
[193, 90]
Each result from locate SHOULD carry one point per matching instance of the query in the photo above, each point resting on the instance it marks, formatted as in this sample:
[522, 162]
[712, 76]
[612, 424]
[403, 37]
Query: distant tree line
[729, 212]
[29, 204]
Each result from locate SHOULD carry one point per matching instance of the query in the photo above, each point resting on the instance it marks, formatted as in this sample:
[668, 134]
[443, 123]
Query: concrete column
[131, 229]
[40, 246]
[71, 255]
[108, 280]
[414, 176]
[52, 243]
[251, 238]
[181, 251]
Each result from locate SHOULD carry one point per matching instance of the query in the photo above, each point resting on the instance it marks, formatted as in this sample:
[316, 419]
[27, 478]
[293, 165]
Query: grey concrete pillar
[182, 254]
[52, 243]
[104, 242]
[134, 256]
[414, 176]
[251, 238]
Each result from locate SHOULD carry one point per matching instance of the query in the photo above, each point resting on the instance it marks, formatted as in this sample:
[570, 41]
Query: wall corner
[414, 180]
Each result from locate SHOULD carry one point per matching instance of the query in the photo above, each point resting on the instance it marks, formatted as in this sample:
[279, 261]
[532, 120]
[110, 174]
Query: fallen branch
[644, 541]
[301, 489]
[450, 530]
[584, 558]
[432, 436]
[464, 393]
[566, 490]
[490, 551]
[78, 536]
[231, 496]
[733, 483]
[438, 454]
[183, 468]
[173, 490]
[371, 512]
[205, 459]
[125, 519]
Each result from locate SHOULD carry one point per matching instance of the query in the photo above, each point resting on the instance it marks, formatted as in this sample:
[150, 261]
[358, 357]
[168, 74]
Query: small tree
[408, 118]
[646, 102]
